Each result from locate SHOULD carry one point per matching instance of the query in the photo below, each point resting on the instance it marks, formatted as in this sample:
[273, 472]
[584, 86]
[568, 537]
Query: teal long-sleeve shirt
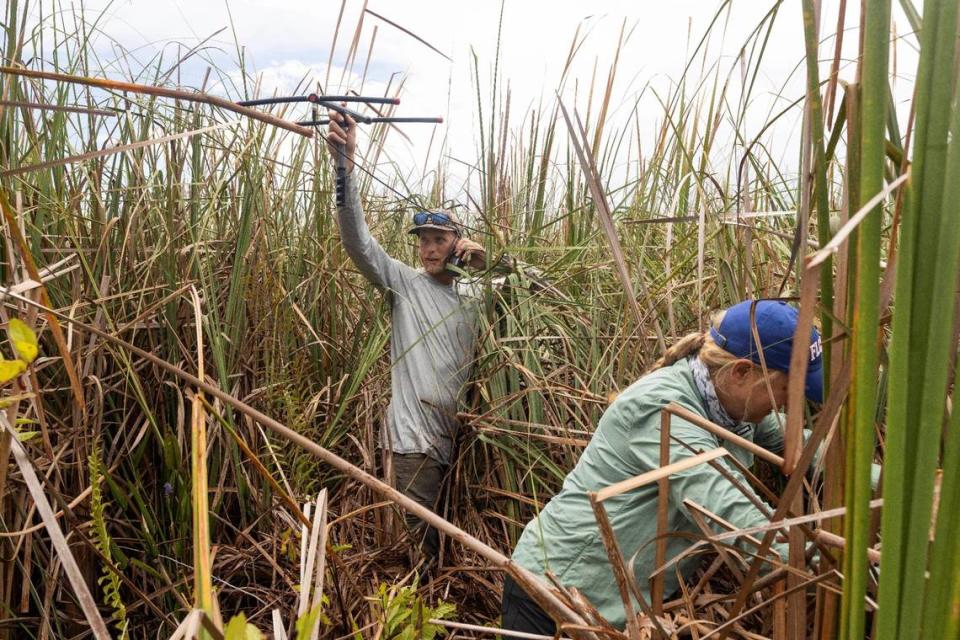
[564, 538]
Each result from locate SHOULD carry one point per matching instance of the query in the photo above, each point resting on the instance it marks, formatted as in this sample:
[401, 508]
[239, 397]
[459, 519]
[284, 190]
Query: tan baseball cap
[442, 219]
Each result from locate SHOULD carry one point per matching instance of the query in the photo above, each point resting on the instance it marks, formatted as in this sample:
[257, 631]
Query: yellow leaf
[10, 369]
[24, 340]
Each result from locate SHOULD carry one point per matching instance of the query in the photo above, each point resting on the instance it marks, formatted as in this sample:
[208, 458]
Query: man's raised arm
[371, 260]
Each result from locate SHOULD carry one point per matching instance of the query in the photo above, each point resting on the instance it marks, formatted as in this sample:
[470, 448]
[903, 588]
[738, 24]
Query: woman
[719, 375]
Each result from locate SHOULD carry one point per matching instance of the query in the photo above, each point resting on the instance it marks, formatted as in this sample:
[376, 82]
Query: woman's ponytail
[714, 356]
[685, 346]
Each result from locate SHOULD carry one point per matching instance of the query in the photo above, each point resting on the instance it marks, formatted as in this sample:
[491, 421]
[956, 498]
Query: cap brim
[438, 227]
[814, 384]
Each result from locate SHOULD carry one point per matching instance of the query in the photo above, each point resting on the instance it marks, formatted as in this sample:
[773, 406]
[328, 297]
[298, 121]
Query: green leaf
[239, 629]
[405, 615]
[308, 620]
[10, 369]
[23, 339]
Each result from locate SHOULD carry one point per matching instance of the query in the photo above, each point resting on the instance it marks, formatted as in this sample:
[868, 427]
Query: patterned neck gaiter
[715, 411]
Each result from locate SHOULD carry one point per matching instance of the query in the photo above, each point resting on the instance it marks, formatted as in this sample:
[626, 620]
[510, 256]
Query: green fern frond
[109, 581]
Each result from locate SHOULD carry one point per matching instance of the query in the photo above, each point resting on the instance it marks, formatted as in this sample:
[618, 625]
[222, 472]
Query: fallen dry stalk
[840, 542]
[620, 573]
[724, 434]
[163, 92]
[506, 633]
[660, 473]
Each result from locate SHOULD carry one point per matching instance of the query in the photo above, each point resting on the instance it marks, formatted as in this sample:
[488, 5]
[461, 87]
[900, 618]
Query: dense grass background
[241, 216]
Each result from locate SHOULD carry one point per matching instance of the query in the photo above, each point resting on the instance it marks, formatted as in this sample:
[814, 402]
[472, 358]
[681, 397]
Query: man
[433, 338]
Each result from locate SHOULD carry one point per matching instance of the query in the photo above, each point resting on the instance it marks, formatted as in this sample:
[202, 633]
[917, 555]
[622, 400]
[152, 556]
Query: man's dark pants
[418, 476]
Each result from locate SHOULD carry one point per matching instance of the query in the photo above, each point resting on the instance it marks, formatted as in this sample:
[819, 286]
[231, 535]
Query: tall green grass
[866, 312]
[923, 345]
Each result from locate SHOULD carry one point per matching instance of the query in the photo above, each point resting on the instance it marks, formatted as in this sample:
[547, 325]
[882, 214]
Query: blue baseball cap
[776, 323]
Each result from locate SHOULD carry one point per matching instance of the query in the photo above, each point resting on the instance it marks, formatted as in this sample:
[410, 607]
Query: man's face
[434, 248]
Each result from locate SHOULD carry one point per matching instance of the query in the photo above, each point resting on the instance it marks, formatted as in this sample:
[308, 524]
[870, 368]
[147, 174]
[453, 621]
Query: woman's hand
[471, 253]
[342, 130]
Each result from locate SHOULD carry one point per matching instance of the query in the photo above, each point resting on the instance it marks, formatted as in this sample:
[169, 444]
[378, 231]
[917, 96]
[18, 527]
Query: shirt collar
[715, 411]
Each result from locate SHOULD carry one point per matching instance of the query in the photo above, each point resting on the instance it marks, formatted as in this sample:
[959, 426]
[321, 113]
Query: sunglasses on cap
[432, 217]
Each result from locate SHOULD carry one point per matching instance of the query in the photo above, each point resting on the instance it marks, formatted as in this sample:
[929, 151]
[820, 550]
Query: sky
[283, 42]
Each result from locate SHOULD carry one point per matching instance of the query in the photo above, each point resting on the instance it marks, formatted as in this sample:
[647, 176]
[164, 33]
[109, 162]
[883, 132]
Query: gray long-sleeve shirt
[432, 344]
